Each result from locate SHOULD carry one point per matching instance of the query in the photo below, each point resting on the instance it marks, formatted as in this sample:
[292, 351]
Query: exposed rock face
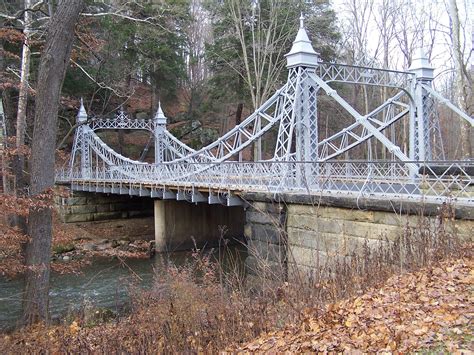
[104, 247]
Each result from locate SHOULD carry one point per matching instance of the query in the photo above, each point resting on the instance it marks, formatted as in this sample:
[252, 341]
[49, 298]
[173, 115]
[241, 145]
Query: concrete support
[160, 225]
[180, 225]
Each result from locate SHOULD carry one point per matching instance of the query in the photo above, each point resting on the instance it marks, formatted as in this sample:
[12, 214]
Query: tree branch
[99, 84]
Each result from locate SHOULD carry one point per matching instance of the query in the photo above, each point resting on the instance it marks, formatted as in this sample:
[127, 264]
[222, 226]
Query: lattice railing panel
[379, 180]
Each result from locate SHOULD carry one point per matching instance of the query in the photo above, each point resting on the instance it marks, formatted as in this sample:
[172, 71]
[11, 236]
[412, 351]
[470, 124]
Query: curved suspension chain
[109, 156]
[176, 148]
[240, 136]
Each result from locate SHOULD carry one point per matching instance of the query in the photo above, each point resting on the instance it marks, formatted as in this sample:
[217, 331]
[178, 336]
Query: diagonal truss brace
[346, 134]
[448, 103]
[364, 121]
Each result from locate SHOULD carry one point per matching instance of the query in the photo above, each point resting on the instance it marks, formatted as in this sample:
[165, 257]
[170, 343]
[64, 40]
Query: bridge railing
[435, 180]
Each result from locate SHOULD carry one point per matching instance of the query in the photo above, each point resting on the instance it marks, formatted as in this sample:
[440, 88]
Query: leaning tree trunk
[53, 65]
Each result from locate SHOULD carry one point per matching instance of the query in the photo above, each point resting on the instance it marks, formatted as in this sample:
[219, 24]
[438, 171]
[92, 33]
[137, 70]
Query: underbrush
[200, 307]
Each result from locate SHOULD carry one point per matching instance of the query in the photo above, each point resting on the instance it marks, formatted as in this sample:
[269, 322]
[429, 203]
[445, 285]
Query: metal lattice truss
[301, 161]
[378, 120]
[122, 121]
[332, 72]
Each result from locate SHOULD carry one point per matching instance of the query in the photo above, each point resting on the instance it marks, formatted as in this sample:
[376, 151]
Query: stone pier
[266, 234]
[180, 225]
[301, 233]
[290, 234]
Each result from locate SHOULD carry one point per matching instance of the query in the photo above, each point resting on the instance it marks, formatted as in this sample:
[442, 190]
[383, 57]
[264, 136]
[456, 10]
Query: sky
[441, 58]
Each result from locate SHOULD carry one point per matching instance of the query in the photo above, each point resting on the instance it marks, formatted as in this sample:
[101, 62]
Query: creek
[104, 283]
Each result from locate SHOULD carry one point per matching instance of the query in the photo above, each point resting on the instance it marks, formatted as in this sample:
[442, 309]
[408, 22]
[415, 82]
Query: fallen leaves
[74, 327]
[428, 309]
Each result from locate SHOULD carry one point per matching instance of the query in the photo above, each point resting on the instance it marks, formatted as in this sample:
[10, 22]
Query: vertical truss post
[304, 59]
[423, 71]
[312, 137]
[159, 131]
[81, 144]
[413, 138]
[258, 142]
[298, 112]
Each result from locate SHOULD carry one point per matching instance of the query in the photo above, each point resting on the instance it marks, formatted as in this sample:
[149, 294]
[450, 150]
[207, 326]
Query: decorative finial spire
[82, 114]
[302, 52]
[160, 117]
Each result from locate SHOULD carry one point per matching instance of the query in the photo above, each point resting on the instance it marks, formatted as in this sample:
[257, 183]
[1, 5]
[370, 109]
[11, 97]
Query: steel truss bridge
[301, 162]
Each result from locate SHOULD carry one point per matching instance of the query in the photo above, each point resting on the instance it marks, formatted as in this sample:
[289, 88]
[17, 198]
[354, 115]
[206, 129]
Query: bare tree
[359, 16]
[198, 34]
[53, 65]
[21, 118]
[262, 51]
[264, 45]
[24, 79]
[417, 26]
[385, 20]
[464, 77]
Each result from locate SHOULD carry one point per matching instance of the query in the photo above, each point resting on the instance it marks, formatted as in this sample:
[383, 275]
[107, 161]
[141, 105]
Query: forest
[208, 64]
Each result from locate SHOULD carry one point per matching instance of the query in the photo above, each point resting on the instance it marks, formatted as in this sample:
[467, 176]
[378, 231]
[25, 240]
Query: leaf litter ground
[431, 309]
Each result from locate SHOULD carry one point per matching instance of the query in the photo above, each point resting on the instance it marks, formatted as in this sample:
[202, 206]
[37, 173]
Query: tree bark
[463, 81]
[25, 75]
[18, 164]
[53, 65]
[238, 113]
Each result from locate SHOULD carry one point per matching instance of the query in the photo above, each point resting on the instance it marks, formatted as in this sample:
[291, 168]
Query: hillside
[429, 309]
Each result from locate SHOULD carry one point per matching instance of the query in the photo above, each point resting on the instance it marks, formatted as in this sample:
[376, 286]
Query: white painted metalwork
[344, 73]
[301, 162]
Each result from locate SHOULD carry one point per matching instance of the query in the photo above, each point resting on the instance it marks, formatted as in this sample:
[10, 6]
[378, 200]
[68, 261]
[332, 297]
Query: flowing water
[103, 283]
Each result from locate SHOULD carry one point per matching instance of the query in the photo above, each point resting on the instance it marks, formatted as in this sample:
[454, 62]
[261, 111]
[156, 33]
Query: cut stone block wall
[265, 232]
[317, 233]
[305, 236]
[87, 207]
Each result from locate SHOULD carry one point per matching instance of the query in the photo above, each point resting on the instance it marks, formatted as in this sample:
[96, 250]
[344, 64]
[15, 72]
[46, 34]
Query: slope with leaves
[429, 309]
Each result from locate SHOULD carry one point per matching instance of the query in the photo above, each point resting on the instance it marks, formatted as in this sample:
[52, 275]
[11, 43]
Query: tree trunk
[25, 74]
[238, 113]
[18, 164]
[53, 65]
[463, 84]
[8, 177]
